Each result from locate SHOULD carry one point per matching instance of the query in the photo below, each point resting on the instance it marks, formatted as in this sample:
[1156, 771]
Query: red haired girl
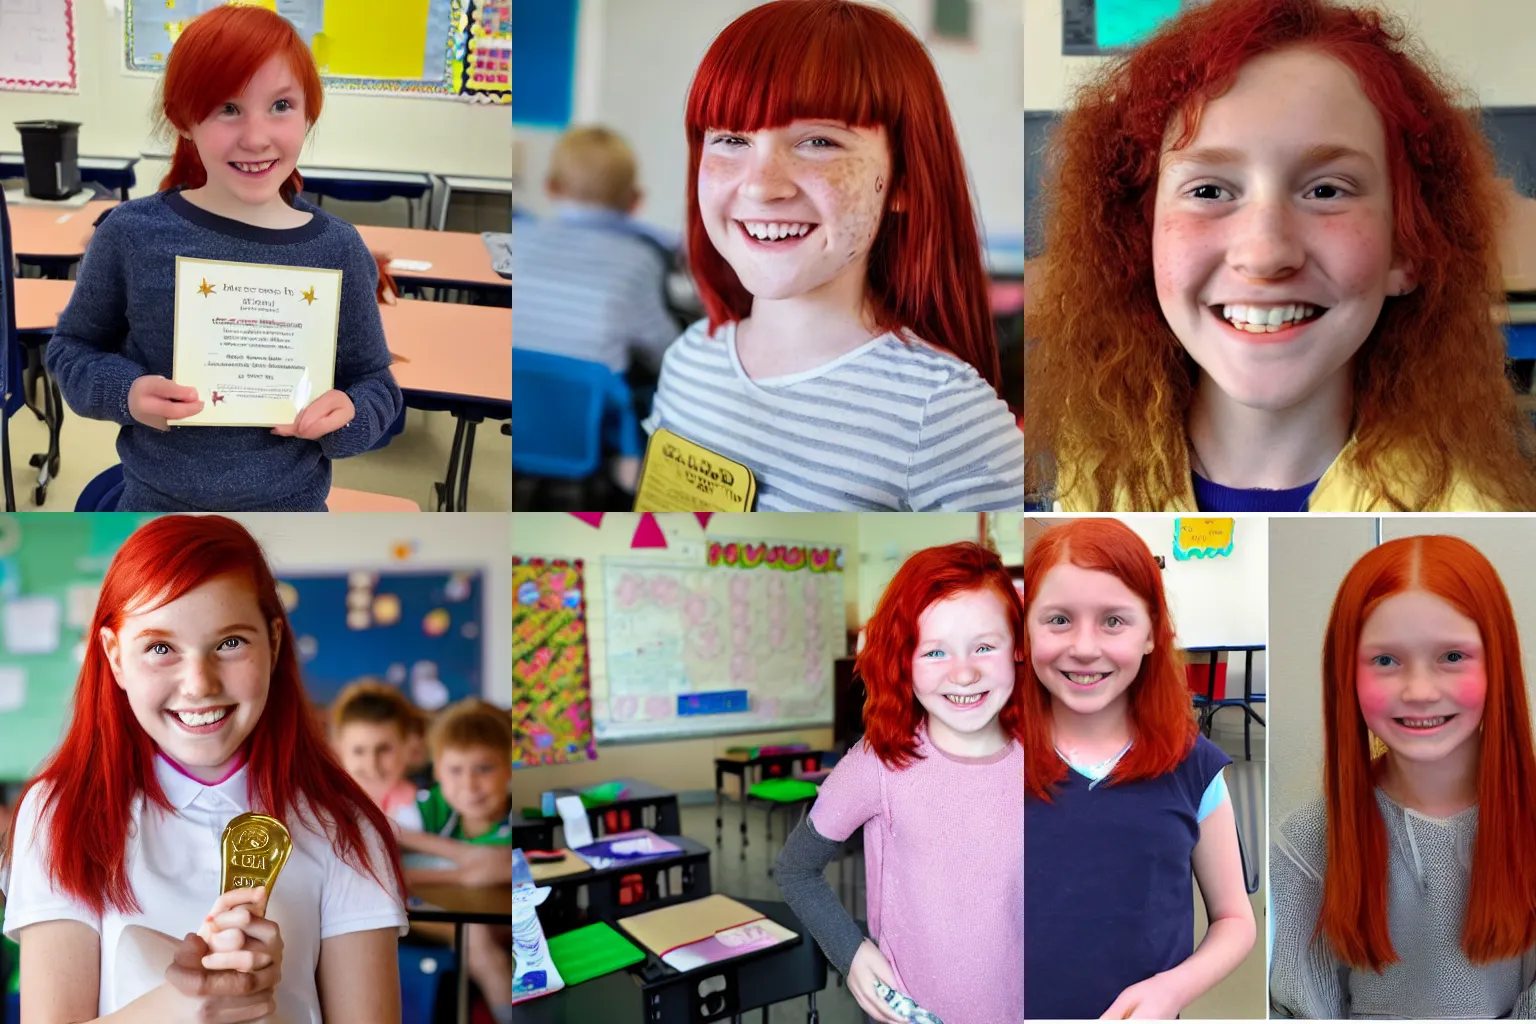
[936, 786]
[1408, 888]
[189, 711]
[241, 92]
[1125, 796]
[848, 358]
[1269, 279]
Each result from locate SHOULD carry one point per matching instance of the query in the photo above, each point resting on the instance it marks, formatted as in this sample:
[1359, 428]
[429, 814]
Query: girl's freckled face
[1282, 198]
[819, 179]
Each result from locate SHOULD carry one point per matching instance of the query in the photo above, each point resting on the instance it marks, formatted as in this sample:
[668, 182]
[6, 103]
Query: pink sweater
[944, 866]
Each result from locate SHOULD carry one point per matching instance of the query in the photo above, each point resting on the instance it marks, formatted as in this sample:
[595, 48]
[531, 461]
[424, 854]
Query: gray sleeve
[801, 874]
[1305, 980]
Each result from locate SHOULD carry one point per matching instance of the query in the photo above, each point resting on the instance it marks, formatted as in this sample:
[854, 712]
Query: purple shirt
[944, 867]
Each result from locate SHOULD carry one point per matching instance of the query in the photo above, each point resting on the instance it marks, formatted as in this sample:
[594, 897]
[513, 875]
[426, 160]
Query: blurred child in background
[370, 724]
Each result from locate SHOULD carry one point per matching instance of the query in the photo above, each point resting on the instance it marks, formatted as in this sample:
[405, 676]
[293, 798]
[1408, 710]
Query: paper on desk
[415, 266]
[573, 815]
[31, 624]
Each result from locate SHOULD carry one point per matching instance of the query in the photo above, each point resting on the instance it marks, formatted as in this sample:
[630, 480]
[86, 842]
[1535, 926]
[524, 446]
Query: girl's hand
[197, 995]
[1153, 999]
[868, 965]
[325, 415]
[152, 400]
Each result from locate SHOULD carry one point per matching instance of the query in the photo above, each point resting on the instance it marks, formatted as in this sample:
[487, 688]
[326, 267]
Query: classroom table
[342, 500]
[452, 183]
[777, 765]
[52, 237]
[114, 172]
[363, 186]
[456, 358]
[533, 833]
[459, 259]
[650, 991]
[642, 797]
[461, 907]
[561, 911]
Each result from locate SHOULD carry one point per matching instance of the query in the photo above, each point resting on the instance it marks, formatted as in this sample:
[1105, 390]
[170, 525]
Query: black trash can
[50, 151]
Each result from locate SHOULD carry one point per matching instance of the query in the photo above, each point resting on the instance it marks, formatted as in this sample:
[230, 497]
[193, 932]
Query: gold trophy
[253, 852]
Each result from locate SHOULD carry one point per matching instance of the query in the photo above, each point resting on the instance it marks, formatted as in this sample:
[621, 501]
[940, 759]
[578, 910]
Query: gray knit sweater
[118, 327]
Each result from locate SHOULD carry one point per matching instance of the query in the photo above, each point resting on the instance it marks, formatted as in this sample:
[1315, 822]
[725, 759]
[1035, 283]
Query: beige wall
[1485, 44]
[874, 545]
[386, 133]
[1308, 560]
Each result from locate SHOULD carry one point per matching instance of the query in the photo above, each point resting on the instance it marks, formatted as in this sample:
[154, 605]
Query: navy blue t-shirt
[1108, 885]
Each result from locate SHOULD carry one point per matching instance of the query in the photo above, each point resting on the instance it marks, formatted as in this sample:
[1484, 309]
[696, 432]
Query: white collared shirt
[173, 868]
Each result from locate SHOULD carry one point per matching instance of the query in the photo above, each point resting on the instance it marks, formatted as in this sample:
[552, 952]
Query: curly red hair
[1109, 386]
[1500, 918]
[1162, 714]
[891, 709]
[858, 64]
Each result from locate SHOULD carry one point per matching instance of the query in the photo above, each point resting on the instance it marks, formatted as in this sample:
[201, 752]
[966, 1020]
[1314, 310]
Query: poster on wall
[422, 632]
[37, 46]
[1195, 538]
[551, 685]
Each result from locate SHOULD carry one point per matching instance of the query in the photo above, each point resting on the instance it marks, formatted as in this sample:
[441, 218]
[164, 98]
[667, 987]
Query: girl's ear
[113, 652]
[1402, 278]
[1150, 647]
[275, 631]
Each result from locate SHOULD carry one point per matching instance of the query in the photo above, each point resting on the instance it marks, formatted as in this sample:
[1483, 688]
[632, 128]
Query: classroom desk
[111, 171]
[459, 259]
[461, 183]
[462, 907]
[454, 357]
[39, 301]
[777, 766]
[363, 186]
[663, 817]
[46, 236]
[605, 887]
[650, 991]
[342, 500]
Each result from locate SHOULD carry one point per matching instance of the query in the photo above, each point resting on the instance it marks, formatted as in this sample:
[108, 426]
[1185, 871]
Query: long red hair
[855, 63]
[891, 709]
[1162, 715]
[213, 59]
[1500, 920]
[1109, 385]
[107, 760]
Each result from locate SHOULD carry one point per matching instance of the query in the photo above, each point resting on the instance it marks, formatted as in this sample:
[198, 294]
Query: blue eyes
[980, 649]
[1387, 661]
[233, 643]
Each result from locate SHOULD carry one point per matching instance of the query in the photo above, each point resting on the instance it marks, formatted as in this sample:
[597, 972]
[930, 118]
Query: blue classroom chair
[566, 414]
[103, 492]
[421, 972]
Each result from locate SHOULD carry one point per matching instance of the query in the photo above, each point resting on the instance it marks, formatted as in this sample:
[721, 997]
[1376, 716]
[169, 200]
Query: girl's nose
[767, 178]
[1265, 243]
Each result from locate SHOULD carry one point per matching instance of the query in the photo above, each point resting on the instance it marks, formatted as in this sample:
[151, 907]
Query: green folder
[784, 791]
[591, 952]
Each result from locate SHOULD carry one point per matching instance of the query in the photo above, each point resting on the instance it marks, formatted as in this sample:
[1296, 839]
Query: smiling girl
[848, 360]
[1408, 889]
[241, 92]
[1125, 798]
[936, 782]
[1270, 277]
[189, 711]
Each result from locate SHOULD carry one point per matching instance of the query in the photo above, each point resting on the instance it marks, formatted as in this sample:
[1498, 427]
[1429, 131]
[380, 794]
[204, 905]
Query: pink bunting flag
[592, 519]
[648, 534]
[703, 518]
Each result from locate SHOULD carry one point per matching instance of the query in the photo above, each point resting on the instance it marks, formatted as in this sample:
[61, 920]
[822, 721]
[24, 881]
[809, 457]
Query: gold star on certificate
[309, 296]
[206, 289]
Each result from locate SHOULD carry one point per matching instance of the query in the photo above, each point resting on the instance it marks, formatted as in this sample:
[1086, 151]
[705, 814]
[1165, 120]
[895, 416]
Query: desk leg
[746, 778]
[442, 213]
[461, 950]
[449, 487]
[467, 455]
[719, 824]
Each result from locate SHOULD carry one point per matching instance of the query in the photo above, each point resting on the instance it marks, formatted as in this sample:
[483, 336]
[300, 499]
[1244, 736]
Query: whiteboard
[672, 630]
[37, 46]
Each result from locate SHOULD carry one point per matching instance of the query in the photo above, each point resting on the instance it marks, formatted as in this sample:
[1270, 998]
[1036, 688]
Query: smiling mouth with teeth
[964, 699]
[196, 718]
[1086, 678]
[1268, 319]
[776, 231]
[1423, 723]
[254, 168]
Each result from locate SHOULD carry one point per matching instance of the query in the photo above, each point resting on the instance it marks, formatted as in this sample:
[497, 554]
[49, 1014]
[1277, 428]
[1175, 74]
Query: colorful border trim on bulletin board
[50, 84]
[551, 673]
[788, 557]
[471, 35]
[1203, 538]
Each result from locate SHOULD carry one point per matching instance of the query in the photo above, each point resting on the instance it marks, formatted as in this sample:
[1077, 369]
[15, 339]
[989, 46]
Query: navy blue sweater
[1109, 894]
[119, 326]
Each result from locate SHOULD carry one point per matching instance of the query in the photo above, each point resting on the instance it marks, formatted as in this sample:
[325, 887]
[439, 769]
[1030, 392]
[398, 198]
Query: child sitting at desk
[467, 819]
[370, 725]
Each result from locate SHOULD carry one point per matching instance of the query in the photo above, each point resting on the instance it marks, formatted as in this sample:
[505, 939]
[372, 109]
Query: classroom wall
[874, 545]
[390, 133]
[473, 540]
[1485, 44]
[636, 59]
[1309, 559]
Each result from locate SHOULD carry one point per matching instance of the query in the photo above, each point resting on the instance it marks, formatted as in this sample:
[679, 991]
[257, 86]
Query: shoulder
[696, 347]
[1303, 836]
[1206, 758]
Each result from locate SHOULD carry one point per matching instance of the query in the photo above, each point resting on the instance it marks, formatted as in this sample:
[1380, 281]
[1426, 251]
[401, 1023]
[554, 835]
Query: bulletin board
[422, 631]
[51, 568]
[544, 62]
[37, 46]
[442, 48]
[759, 617]
[551, 677]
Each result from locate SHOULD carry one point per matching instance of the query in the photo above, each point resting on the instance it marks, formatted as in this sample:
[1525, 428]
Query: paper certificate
[258, 342]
